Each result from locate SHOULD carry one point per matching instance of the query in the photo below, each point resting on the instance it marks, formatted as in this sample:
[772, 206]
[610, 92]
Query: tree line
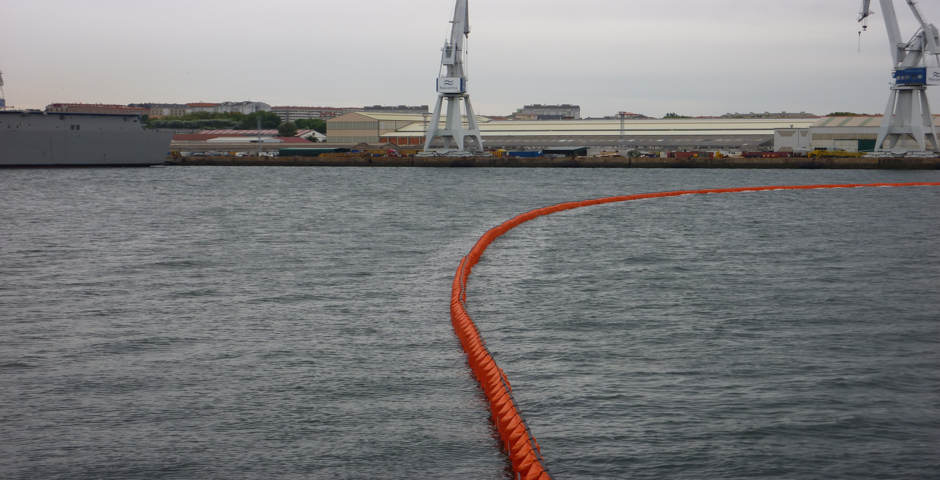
[237, 121]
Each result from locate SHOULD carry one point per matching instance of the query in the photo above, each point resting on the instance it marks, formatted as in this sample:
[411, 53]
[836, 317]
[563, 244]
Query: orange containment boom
[523, 450]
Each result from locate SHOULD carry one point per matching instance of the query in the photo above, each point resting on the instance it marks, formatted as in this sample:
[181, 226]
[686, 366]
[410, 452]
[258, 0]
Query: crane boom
[453, 49]
[931, 36]
[891, 24]
[866, 10]
[461, 28]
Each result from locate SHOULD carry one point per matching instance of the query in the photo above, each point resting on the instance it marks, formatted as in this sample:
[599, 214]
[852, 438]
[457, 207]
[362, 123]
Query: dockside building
[598, 134]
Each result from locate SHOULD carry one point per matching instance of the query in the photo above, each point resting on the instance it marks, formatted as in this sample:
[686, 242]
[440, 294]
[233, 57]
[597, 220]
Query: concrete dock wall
[904, 163]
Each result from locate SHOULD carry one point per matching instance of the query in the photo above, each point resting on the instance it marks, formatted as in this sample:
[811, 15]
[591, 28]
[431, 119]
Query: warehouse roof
[861, 121]
[611, 127]
[418, 118]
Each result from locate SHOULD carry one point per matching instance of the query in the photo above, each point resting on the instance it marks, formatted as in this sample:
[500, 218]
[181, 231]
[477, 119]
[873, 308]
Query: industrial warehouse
[452, 129]
[715, 134]
[405, 131]
[850, 134]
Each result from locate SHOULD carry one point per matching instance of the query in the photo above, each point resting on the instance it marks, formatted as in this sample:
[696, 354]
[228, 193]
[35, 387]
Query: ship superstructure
[3, 97]
[33, 138]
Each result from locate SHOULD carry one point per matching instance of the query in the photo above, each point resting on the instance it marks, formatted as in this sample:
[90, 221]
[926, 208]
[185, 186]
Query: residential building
[292, 113]
[201, 107]
[160, 110]
[244, 108]
[95, 108]
[548, 112]
[419, 109]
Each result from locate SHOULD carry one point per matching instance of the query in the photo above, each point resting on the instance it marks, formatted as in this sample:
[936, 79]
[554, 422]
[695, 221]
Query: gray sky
[697, 57]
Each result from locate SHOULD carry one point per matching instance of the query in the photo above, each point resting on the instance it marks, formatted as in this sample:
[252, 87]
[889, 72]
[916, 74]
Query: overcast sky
[697, 57]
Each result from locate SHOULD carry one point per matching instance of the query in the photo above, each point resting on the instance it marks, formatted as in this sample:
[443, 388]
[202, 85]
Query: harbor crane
[452, 86]
[908, 115]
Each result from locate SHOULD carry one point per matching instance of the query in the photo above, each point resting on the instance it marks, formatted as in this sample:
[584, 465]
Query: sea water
[225, 322]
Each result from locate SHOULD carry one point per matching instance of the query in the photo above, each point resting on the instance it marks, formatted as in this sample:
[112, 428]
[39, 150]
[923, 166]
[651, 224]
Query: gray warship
[36, 138]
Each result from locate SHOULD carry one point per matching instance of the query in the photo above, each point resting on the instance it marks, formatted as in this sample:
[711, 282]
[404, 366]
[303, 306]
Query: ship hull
[38, 139]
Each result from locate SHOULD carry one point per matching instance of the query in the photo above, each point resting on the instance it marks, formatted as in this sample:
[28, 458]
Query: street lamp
[622, 145]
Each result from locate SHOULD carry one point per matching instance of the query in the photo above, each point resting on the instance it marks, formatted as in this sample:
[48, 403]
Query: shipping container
[309, 152]
[683, 155]
[567, 151]
[526, 154]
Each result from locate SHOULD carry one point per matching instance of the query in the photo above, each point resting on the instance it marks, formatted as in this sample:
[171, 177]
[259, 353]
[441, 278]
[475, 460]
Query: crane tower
[452, 86]
[908, 115]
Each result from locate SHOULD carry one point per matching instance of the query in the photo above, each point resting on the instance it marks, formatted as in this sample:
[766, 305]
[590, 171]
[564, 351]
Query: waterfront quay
[357, 160]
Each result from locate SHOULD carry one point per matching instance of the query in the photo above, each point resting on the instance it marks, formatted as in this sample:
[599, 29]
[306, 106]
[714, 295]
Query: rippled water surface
[282, 323]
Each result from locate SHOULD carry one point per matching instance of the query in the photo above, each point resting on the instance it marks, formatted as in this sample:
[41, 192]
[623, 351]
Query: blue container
[526, 154]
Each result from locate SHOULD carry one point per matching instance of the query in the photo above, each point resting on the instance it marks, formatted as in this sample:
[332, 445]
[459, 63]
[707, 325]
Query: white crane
[452, 86]
[908, 112]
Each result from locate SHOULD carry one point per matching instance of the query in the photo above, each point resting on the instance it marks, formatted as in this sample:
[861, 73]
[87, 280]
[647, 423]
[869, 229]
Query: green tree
[216, 123]
[198, 120]
[268, 120]
[287, 129]
[312, 124]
